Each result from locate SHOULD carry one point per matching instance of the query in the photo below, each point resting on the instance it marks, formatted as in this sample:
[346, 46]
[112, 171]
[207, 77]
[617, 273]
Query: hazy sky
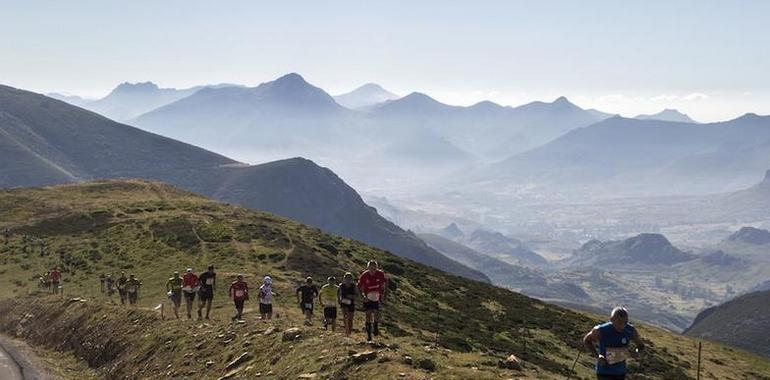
[710, 59]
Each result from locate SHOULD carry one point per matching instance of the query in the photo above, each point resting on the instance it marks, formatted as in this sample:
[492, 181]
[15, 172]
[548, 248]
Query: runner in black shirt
[208, 281]
[306, 294]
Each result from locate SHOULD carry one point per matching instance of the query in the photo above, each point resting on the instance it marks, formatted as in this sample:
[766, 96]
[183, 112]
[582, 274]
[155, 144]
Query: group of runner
[127, 287]
[190, 285]
[332, 296]
[51, 281]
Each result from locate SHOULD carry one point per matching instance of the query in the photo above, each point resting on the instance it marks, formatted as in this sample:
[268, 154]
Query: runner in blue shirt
[613, 339]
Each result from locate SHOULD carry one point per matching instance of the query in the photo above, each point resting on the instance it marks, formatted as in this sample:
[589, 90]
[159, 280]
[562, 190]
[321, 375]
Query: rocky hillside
[751, 235]
[643, 249]
[435, 325]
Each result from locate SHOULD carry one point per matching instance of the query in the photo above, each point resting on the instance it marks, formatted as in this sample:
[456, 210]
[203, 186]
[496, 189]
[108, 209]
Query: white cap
[268, 280]
[189, 270]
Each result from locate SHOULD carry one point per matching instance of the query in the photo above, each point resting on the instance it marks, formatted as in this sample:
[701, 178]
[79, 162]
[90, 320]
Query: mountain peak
[138, 87]
[365, 96]
[562, 100]
[668, 114]
[370, 87]
[486, 105]
[291, 79]
[451, 231]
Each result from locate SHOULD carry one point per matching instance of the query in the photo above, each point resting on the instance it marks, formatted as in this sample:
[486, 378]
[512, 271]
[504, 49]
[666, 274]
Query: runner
[120, 283]
[7, 234]
[613, 339]
[55, 280]
[327, 297]
[174, 288]
[132, 289]
[306, 295]
[189, 288]
[347, 298]
[266, 299]
[373, 286]
[109, 284]
[207, 281]
[239, 291]
[47, 281]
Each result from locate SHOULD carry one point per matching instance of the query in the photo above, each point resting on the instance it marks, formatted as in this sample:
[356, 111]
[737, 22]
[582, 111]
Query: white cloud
[695, 96]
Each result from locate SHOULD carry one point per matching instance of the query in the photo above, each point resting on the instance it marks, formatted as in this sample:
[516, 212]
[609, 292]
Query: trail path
[9, 370]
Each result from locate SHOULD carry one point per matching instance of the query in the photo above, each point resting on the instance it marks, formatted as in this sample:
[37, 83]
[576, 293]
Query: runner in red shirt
[189, 288]
[373, 286]
[55, 280]
[239, 291]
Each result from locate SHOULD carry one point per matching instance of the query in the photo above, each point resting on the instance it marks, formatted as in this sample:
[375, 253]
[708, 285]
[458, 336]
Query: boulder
[291, 334]
[238, 361]
[363, 357]
[511, 362]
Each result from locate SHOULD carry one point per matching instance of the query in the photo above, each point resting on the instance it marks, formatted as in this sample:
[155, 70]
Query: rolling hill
[448, 326]
[50, 142]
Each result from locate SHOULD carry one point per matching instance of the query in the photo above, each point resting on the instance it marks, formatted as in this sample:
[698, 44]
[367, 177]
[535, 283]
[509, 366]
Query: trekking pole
[641, 364]
[700, 346]
[569, 376]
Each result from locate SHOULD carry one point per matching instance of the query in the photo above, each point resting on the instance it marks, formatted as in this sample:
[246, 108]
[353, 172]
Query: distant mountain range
[486, 129]
[742, 322]
[667, 115]
[292, 115]
[628, 157]
[45, 141]
[129, 100]
[365, 96]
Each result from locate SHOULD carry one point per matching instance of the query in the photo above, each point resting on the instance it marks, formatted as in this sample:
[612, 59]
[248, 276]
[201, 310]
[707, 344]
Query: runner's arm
[589, 341]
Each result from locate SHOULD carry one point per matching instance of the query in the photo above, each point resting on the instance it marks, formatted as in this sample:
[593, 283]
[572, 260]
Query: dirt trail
[9, 370]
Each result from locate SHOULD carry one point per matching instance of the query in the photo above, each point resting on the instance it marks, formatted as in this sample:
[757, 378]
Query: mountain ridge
[64, 144]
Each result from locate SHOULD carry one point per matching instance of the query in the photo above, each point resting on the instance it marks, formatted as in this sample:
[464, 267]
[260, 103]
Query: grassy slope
[152, 229]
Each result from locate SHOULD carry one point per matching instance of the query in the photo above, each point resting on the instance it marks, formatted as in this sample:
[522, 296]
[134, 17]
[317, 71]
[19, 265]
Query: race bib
[209, 281]
[347, 301]
[187, 289]
[308, 306]
[239, 293]
[373, 296]
[616, 355]
[132, 290]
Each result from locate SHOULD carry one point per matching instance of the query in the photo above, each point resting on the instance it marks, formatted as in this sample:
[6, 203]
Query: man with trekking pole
[613, 339]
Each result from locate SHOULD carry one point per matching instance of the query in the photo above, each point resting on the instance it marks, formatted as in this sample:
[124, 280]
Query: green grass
[151, 230]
